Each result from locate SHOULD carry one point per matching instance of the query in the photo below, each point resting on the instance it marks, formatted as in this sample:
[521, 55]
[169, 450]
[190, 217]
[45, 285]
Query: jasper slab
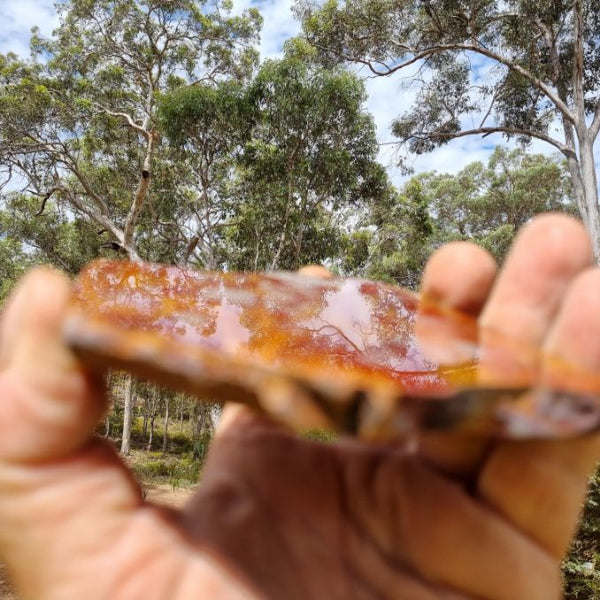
[356, 356]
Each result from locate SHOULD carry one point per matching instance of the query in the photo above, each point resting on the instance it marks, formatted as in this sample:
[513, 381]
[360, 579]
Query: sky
[386, 97]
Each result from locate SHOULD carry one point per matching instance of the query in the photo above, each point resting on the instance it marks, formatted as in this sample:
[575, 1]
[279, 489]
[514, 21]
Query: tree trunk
[583, 178]
[284, 229]
[146, 411]
[127, 415]
[590, 193]
[166, 427]
[151, 436]
[198, 417]
[153, 407]
[181, 412]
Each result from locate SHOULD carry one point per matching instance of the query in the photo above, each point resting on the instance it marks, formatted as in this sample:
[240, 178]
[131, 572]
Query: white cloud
[18, 17]
[279, 24]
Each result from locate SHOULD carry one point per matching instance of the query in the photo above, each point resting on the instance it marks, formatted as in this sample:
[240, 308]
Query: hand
[281, 518]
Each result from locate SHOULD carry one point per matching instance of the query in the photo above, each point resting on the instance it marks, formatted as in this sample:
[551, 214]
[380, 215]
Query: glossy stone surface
[353, 355]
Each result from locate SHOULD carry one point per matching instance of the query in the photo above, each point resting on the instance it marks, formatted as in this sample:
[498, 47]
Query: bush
[177, 471]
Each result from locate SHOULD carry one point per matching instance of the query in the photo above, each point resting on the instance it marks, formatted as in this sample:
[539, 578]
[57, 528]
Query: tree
[13, 263]
[78, 121]
[404, 237]
[208, 126]
[276, 161]
[537, 79]
[311, 158]
[486, 204]
[55, 237]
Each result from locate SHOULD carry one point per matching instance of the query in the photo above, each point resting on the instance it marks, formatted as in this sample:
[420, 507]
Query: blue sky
[387, 98]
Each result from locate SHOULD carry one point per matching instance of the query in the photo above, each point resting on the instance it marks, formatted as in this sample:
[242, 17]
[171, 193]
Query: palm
[351, 521]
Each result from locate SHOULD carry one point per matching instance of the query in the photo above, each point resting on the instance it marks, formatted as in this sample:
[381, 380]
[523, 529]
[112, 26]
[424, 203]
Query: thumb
[49, 403]
[63, 495]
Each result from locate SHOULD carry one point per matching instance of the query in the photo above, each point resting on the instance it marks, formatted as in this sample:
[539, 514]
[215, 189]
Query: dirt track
[162, 494]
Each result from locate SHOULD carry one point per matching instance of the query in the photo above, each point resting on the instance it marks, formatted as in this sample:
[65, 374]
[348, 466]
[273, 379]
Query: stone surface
[360, 357]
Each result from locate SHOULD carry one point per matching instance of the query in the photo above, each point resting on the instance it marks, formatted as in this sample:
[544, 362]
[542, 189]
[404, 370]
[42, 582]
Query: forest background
[153, 129]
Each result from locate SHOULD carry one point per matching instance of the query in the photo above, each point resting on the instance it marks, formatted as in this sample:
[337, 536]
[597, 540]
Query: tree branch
[70, 163]
[141, 194]
[72, 166]
[478, 49]
[489, 110]
[46, 197]
[568, 151]
[595, 126]
[130, 122]
[578, 52]
[105, 222]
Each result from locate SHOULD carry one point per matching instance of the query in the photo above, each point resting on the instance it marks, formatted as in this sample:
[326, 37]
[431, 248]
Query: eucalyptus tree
[489, 203]
[484, 203]
[277, 162]
[310, 162]
[208, 126]
[522, 68]
[78, 119]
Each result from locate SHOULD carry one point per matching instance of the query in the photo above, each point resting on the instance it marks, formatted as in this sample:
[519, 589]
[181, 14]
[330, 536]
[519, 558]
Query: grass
[325, 436]
[179, 466]
[176, 470]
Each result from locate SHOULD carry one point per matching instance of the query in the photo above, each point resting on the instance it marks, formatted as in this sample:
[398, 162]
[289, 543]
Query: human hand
[277, 517]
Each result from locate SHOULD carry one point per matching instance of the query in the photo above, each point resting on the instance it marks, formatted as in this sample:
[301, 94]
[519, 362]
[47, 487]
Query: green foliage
[276, 161]
[211, 116]
[354, 251]
[312, 155]
[175, 470]
[51, 235]
[525, 70]
[486, 204]
[13, 263]
[78, 121]
[404, 237]
[530, 42]
[323, 436]
[207, 125]
[581, 568]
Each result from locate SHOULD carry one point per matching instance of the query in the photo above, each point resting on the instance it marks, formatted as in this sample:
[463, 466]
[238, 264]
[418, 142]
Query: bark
[181, 413]
[200, 421]
[141, 195]
[282, 236]
[145, 424]
[127, 415]
[590, 192]
[153, 406]
[166, 427]
[568, 102]
[151, 436]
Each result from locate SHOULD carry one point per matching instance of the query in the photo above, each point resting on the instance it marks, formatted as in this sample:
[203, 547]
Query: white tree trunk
[589, 194]
[166, 427]
[127, 415]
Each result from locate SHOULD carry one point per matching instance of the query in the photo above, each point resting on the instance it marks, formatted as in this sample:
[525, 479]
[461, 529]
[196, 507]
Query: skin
[276, 517]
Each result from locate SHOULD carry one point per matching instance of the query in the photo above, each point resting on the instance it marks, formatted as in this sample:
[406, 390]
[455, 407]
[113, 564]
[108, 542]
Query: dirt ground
[5, 591]
[161, 494]
[165, 494]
